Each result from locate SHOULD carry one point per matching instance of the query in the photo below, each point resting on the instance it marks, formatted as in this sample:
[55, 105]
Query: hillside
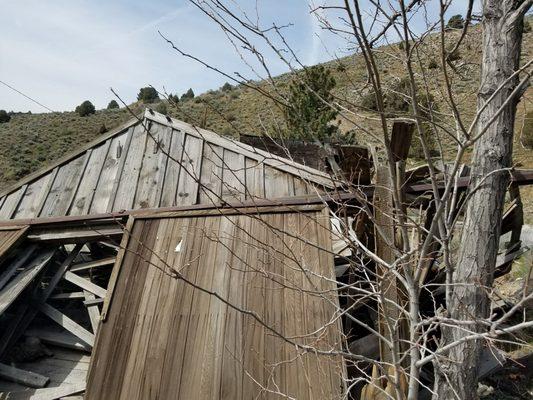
[30, 141]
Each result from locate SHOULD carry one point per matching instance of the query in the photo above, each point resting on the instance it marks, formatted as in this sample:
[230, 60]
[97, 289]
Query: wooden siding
[157, 163]
[169, 338]
[9, 237]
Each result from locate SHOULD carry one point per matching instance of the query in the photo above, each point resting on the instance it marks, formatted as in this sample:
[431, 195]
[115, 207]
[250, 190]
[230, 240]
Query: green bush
[162, 108]
[309, 115]
[227, 87]
[86, 108]
[4, 116]
[112, 105]
[148, 95]
[456, 22]
[189, 94]
[527, 132]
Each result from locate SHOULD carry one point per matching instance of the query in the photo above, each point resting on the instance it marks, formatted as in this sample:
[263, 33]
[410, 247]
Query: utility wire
[28, 97]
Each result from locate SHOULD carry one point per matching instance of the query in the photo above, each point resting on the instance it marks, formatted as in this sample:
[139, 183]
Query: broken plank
[67, 323]
[45, 394]
[16, 264]
[93, 264]
[22, 280]
[27, 378]
[85, 284]
[56, 338]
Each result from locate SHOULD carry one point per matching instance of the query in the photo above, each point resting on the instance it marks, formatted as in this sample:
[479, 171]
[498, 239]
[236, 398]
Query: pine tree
[189, 94]
[112, 105]
[86, 108]
[309, 115]
[148, 95]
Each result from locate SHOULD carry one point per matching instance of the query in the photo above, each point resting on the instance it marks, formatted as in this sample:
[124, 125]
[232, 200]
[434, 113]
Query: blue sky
[63, 52]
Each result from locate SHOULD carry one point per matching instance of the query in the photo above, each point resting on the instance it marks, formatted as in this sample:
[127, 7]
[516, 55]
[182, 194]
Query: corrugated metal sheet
[213, 305]
[157, 162]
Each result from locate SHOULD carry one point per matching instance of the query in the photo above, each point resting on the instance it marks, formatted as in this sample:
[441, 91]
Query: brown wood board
[167, 335]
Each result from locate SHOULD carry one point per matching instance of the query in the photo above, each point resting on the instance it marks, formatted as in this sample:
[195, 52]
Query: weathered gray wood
[125, 192]
[211, 174]
[27, 378]
[16, 264]
[94, 313]
[233, 177]
[255, 179]
[17, 285]
[82, 201]
[94, 302]
[67, 323]
[65, 184]
[120, 169]
[93, 264]
[75, 235]
[45, 394]
[172, 173]
[106, 181]
[187, 191]
[76, 186]
[62, 339]
[85, 284]
[11, 203]
[152, 174]
[70, 295]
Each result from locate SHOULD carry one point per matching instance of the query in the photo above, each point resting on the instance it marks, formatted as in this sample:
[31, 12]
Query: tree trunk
[456, 372]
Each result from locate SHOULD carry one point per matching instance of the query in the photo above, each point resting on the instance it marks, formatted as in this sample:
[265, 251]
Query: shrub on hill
[4, 116]
[86, 108]
[456, 22]
[189, 94]
[148, 95]
[112, 105]
[433, 64]
[173, 99]
[227, 87]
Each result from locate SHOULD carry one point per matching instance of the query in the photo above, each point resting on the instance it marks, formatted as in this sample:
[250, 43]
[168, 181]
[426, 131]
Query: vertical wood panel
[152, 172]
[132, 165]
[106, 181]
[211, 174]
[187, 192]
[172, 173]
[82, 200]
[233, 181]
[165, 338]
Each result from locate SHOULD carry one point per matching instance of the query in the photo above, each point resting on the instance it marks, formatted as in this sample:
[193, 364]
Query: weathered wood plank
[45, 394]
[172, 172]
[14, 288]
[27, 378]
[233, 177]
[210, 191]
[255, 180]
[152, 174]
[15, 265]
[63, 188]
[93, 264]
[67, 323]
[84, 196]
[85, 284]
[62, 339]
[187, 191]
[94, 313]
[131, 167]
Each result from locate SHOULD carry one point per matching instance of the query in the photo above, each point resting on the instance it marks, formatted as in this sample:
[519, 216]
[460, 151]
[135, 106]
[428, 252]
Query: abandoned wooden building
[166, 261]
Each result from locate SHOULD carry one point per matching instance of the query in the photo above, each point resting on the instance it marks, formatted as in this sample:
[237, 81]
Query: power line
[28, 97]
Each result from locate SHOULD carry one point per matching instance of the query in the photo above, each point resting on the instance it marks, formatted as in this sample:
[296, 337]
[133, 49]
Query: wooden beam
[85, 284]
[65, 296]
[75, 235]
[93, 264]
[94, 313]
[67, 323]
[61, 339]
[26, 378]
[17, 285]
[15, 265]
